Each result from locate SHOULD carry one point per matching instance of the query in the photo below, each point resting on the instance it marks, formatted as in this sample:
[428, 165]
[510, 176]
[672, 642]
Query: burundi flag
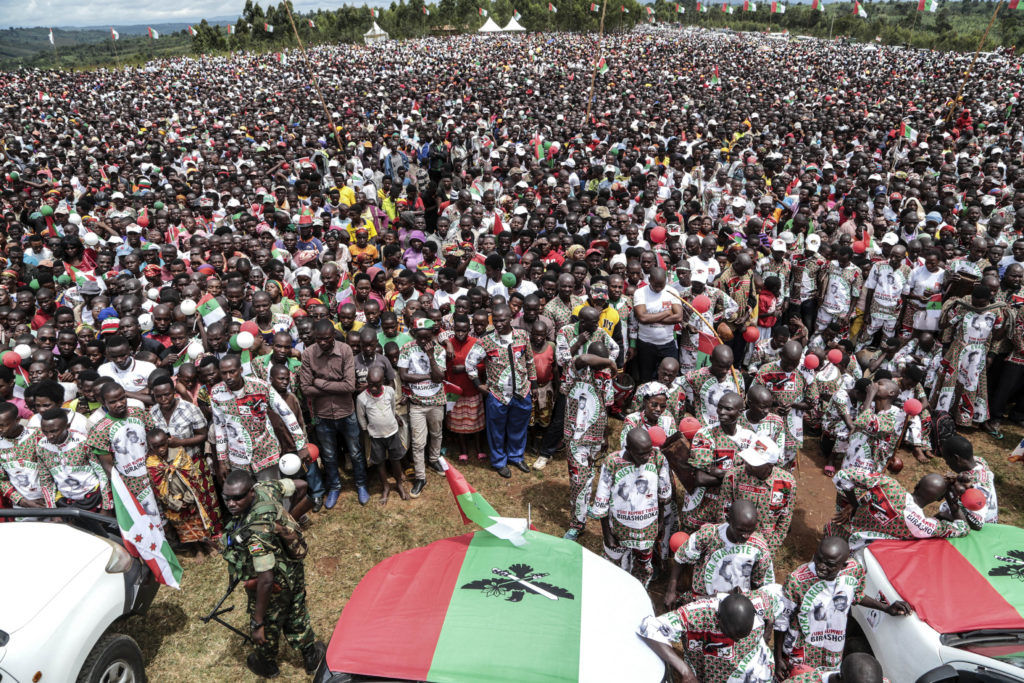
[114, 35]
[595, 7]
[310, 23]
[1014, 4]
[650, 11]
[426, 11]
[622, 8]
[858, 10]
[516, 15]
[51, 37]
[908, 132]
[818, 5]
[714, 79]
[152, 32]
[552, 8]
[986, 564]
[210, 310]
[1018, 453]
[927, 5]
[143, 535]
[680, 9]
[231, 30]
[602, 66]
[269, 28]
[20, 382]
[192, 31]
[79, 277]
[373, 13]
[481, 11]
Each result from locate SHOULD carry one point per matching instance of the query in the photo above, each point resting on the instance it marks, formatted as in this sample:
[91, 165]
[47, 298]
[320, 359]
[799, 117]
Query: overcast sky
[125, 12]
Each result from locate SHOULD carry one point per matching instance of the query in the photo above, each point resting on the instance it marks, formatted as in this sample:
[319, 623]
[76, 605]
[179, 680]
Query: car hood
[985, 567]
[39, 560]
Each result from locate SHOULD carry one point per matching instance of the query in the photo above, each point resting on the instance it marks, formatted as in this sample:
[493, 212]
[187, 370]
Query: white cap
[988, 200]
[890, 238]
[134, 228]
[778, 245]
[739, 202]
[761, 451]
[812, 243]
[117, 195]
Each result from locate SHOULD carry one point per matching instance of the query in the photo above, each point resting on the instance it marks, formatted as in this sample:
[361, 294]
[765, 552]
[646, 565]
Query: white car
[968, 600]
[62, 586]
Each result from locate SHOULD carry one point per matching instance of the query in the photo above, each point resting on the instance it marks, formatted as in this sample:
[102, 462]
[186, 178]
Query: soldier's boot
[262, 667]
[313, 655]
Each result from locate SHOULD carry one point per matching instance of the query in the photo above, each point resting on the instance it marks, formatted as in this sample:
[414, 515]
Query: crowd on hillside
[734, 242]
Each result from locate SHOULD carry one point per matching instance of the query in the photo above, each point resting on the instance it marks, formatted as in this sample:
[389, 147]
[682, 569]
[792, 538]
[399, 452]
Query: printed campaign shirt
[888, 283]
[842, 286]
[510, 367]
[714, 656]
[70, 470]
[414, 359]
[887, 511]
[630, 495]
[815, 613]
[243, 435]
[638, 420]
[773, 497]
[19, 469]
[981, 478]
[873, 439]
[711, 448]
[704, 390]
[719, 565]
[125, 438]
[588, 395]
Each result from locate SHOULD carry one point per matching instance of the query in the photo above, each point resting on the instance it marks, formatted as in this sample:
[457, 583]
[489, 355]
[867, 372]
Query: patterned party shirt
[588, 395]
[414, 359]
[125, 438]
[710, 448]
[243, 435]
[703, 391]
[71, 471]
[873, 438]
[561, 312]
[714, 656]
[630, 496]
[719, 565]
[773, 497]
[19, 469]
[510, 368]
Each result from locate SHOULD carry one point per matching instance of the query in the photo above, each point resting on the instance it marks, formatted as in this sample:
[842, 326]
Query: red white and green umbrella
[985, 569]
[480, 608]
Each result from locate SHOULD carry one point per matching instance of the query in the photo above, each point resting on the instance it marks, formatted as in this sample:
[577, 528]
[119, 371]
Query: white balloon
[153, 294]
[188, 307]
[23, 350]
[289, 464]
[91, 239]
[145, 322]
[195, 349]
[75, 219]
[245, 340]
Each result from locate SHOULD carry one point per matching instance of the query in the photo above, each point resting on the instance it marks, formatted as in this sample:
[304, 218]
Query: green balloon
[15, 175]
[233, 343]
[509, 280]
[158, 205]
[34, 284]
[64, 279]
[46, 210]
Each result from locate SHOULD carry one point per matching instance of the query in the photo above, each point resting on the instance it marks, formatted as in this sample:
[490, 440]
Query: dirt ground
[348, 541]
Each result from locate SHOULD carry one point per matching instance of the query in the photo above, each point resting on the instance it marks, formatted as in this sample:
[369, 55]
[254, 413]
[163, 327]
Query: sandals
[463, 457]
[830, 470]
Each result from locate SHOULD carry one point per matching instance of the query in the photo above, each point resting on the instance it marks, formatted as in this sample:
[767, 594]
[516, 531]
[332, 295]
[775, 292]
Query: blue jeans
[506, 428]
[328, 432]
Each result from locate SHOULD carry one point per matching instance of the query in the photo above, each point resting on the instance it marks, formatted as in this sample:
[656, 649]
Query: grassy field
[349, 540]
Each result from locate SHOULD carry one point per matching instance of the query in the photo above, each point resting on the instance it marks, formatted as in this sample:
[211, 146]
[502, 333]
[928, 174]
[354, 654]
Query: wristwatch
[253, 624]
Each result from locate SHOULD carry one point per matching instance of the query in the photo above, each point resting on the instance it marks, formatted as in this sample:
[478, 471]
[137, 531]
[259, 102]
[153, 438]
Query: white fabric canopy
[513, 25]
[375, 34]
[489, 26]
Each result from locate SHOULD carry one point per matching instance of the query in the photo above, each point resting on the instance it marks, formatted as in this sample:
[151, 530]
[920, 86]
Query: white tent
[375, 35]
[513, 25]
[489, 27]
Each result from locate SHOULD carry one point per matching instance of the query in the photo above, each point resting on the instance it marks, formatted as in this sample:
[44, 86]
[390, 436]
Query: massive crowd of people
[747, 240]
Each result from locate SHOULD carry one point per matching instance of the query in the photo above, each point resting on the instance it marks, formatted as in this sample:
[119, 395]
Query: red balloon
[835, 356]
[11, 359]
[912, 407]
[676, 540]
[811, 361]
[689, 426]
[973, 500]
[142, 221]
[859, 247]
[702, 303]
[751, 335]
[658, 234]
[251, 327]
[657, 435]
[314, 452]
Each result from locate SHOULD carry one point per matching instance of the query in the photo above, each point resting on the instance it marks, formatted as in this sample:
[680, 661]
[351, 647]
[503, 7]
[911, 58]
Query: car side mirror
[940, 674]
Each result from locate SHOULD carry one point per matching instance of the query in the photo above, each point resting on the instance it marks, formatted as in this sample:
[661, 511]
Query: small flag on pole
[928, 5]
[858, 10]
[209, 308]
[231, 30]
[373, 13]
[312, 25]
[516, 15]
[595, 7]
[602, 66]
[680, 9]
[818, 5]
[778, 8]
[51, 36]
[152, 32]
[192, 31]
[714, 79]
[623, 9]
[552, 8]
[426, 11]
[269, 28]
[114, 35]
[908, 132]
[481, 11]
[475, 509]
[650, 11]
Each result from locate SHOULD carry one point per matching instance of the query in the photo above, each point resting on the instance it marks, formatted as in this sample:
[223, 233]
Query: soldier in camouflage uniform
[264, 550]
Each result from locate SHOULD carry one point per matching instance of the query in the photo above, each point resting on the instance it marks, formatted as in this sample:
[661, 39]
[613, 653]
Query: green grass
[348, 541]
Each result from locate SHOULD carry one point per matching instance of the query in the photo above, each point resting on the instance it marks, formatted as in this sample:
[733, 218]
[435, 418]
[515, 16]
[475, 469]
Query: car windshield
[1005, 645]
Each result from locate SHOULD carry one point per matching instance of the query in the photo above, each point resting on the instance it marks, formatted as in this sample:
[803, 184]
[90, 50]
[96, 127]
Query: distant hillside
[19, 43]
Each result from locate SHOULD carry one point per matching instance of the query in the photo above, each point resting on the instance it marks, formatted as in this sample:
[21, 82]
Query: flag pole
[831, 24]
[56, 55]
[312, 75]
[970, 67]
[117, 59]
[913, 26]
[593, 74]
